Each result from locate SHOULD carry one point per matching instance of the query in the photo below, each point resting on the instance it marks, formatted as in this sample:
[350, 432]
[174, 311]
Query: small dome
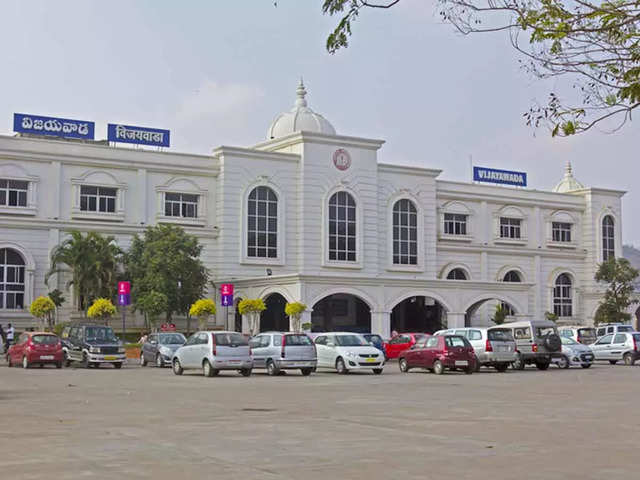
[568, 183]
[300, 117]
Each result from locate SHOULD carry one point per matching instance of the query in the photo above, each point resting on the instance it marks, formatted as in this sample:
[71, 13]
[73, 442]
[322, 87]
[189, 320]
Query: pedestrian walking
[3, 338]
[9, 334]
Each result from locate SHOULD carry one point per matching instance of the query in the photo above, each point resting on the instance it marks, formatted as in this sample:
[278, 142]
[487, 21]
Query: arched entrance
[274, 318]
[341, 312]
[418, 314]
[483, 312]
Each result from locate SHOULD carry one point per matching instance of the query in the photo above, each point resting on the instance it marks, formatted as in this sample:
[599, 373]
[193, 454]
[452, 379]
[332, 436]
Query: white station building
[314, 216]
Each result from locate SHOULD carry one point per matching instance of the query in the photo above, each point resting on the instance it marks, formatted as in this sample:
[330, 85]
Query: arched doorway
[341, 312]
[418, 314]
[483, 312]
[274, 318]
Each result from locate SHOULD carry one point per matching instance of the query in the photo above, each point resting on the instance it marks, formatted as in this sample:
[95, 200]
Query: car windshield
[230, 339]
[172, 339]
[351, 341]
[568, 341]
[44, 339]
[544, 331]
[297, 340]
[625, 328]
[503, 335]
[587, 333]
[101, 334]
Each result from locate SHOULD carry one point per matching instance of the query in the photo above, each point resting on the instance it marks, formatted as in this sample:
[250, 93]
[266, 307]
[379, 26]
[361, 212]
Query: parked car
[93, 345]
[347, 351]
[279, 351]
[584, 335]
[621, 346]
[35, 348]
[494, 347]
[400, 342]
[440, 352]
[612, 328]
[537, 342]
[213, 352]
[160, 347]
[376, 340]
[574, 353]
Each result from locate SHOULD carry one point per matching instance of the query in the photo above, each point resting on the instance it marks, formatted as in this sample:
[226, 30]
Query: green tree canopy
[152, 304]
[620, 277]
[166, 260]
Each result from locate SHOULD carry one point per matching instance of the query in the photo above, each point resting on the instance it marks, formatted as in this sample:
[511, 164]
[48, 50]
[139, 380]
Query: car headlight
[120, 349]
[351, 354]
[94, 349]
[165, 351]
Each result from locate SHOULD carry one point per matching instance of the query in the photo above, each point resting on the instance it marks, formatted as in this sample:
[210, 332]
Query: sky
[216, 72]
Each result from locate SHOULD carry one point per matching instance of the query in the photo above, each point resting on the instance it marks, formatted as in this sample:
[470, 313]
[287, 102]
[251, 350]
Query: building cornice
[310, 137]
[223, 150]
[403, 169]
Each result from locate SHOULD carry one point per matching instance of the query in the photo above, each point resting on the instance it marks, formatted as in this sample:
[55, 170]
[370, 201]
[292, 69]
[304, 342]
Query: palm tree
[93, 261]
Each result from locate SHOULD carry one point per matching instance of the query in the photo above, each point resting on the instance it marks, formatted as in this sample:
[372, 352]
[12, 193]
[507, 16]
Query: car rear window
[544, 331]
[223, 339]
[456, 341]
[587, 333]
[44, 339]
[298, 340]
[502, 335]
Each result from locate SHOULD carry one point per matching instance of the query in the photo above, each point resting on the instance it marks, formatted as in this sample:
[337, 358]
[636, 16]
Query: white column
[142, 197]
[484, 266]
[381, 323]
[246, 329]
[455, 319]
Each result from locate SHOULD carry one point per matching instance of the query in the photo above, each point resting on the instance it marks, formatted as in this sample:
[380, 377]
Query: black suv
[92, 345]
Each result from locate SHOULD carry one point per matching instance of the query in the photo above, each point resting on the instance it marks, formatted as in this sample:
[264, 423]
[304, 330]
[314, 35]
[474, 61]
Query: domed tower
[299, 118]
[568, 182]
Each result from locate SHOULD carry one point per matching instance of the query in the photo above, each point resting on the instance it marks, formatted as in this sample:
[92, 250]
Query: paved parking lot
[139, 423]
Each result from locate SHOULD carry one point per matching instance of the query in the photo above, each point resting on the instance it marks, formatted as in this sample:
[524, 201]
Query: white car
[346, 351]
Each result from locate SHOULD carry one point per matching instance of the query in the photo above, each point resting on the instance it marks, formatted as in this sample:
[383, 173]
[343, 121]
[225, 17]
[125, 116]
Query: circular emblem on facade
[341, 159]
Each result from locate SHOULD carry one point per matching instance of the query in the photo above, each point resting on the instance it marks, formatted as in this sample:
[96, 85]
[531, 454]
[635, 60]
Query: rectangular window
[510, 227]
[13, 193]
[97, 199]
[181, 205]
[455, 224]
[561, 232]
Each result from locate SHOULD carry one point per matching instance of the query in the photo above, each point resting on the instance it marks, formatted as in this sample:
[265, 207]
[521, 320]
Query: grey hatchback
[277, 351]
[160, 347]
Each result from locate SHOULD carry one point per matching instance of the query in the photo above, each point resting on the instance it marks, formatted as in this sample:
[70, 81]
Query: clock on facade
[341, 159]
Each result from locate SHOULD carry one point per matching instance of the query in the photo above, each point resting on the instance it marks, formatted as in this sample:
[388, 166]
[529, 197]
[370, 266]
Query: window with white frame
[510, 227]
[563, 296]
[405, 233]
[98, 199]
[457, 274]
[183, 205]
[608, 238]
[12, 285]
[342, 227]
[262, 223]
[13, 193]
[455, 224]
[561, 232]
[512, 276]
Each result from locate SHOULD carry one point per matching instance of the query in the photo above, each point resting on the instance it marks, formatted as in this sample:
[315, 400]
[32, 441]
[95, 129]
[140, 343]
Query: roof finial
[568, 171]
[300, 93]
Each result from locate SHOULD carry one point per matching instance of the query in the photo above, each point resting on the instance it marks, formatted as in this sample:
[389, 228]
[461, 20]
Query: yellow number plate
[110, 358]
[371, 360]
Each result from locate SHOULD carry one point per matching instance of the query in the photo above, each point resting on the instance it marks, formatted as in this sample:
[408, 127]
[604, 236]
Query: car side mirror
[153, 342]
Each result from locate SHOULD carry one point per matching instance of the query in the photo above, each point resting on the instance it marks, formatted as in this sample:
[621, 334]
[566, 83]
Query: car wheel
[116, 365]
[272, 369]
[542, 365]
[470, 370]
[613, 362]
[340, 366]
[58, 364]
[143, 361]
[159, 361]
[207, 371]
[585, 365]
[518, 364]
[246, 372]
[502, 367]
[306, 371]
[177, 368]
[42, 365]
[404, 366]
[377, 371]
[628, 359]
[438, 367]
[25, 362]
[563, 362]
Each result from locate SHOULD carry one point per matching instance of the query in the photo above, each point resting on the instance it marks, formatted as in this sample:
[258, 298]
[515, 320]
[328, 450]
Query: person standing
[10, 333]
[3, 337]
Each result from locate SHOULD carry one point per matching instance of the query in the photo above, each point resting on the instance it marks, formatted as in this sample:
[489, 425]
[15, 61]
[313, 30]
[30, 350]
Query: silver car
[621, 346]
[212, 352]
[574, 353]
[278, 351]
[160, 347]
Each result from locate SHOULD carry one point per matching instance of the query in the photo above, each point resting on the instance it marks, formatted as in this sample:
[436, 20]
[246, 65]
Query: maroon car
[452, 352]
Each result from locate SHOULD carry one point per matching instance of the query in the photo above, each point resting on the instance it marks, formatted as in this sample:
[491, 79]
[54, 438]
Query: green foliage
[251, 306]
[93, 261]
[294, 309]
[101, 308]
[59, 327]
[56, 297]
[307, 326]
[550, 316]
[500, 314]
[161, 260]
[153, 304]
[620, 278]
[42, 308]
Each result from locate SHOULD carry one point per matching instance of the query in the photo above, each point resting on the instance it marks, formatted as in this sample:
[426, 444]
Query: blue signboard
[227, 300]
[154, 137]
[124, 299]
[504, 177]
[58, 127]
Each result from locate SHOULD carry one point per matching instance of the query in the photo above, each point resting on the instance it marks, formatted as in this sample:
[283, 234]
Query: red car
[35, 348]
[438, 353]
[401, 342]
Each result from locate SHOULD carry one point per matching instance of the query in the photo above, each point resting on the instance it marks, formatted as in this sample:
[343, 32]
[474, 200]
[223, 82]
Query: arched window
[405, 233]
[608, 238]
[342, 227]
[512, 276]
[562, 296]
[262, 223]
[457, 274]
[11, 279]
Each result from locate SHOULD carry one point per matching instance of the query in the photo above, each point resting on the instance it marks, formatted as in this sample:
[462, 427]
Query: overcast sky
[217, 72]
